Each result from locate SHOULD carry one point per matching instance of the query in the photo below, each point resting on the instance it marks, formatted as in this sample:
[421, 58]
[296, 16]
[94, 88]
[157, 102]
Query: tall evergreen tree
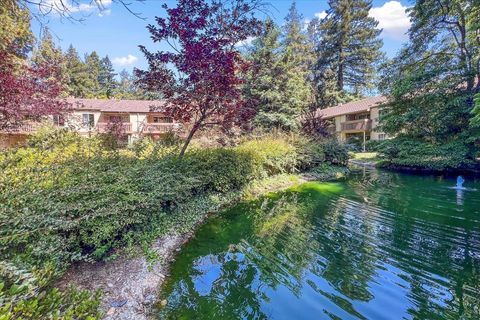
[297, 60]
[106, 78]
[278, 84]
[296, 42]
[78, 79]
[48, 52]
[347, 51]
[271, 83]
[263, 83]
[93, 65]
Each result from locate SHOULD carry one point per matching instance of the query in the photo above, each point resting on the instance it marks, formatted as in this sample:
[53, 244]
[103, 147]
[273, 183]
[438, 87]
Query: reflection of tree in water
[281, 247]
[346, 256]
[347, 241]
[234, 293]
[421, 240]
[272, 250]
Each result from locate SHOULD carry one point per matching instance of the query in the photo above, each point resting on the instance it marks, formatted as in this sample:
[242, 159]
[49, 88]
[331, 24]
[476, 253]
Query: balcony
[357, 125]
[156, 128]
[103, 127]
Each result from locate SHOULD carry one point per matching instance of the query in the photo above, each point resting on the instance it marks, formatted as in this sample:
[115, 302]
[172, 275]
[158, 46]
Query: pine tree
[347, 51]
[264, 81]
[278, 83]
[78, 80]
[297, 59]
[106, 78]
[49, 53]
[296, 40]
[94, 68]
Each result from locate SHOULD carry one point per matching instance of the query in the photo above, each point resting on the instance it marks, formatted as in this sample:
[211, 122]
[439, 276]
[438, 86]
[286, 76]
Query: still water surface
[380, 245]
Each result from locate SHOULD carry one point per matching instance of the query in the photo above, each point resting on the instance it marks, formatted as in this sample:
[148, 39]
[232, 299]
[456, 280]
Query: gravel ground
[129, 287]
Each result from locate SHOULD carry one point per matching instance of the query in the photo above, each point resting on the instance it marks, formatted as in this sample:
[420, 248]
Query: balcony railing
[103, 127]
[159, 127]
[357, 125]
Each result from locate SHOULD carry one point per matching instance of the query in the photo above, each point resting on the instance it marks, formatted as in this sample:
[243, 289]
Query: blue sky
[117, 33]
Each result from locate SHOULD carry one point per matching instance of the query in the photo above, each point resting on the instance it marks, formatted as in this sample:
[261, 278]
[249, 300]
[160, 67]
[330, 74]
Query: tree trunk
[194, 129]
[340, 70]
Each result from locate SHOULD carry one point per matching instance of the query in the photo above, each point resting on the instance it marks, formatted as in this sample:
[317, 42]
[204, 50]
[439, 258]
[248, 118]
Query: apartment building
[356, 121]
[136, 118]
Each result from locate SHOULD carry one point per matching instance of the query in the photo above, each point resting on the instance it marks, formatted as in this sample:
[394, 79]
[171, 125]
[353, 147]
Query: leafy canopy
[200, 76]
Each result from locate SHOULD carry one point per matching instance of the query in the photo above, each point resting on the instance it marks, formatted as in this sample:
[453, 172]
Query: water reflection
[460, 197]
[379, 245]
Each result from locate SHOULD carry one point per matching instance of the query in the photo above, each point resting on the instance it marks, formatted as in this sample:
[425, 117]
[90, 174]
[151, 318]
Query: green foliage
[431, 84]
[475, 121]
[66, 198]
[327, 172]
[27, 294]
[15, 33]
[348, 48]
[318, 152]
[409, 153]
[272, 155]
[278, 83]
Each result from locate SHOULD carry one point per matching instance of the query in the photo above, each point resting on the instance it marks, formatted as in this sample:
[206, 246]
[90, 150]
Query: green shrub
[317, 152]
[326, 172]
[407, 152]
[65, 198]
[28, 295]
[273, 155]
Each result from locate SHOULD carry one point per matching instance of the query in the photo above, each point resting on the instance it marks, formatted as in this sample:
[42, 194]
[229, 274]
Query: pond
[379, 245]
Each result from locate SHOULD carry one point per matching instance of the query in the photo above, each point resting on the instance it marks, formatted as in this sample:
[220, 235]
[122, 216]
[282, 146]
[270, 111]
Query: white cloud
[245, 42]
[392, 18]
[125, 61]
[69, 7]
[104, 12]
[321, 15]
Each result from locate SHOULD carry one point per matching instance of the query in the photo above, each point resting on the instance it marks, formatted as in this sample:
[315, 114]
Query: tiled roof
[113, 105]
[351, 107]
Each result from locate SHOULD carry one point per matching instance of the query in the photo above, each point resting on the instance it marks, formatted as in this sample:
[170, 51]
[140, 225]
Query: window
[382, 136]
[88, 120]
[162, 120]
[58, 120]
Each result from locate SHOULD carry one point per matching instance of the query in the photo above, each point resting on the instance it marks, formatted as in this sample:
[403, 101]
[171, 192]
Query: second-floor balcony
[357, 125]
[103, 127]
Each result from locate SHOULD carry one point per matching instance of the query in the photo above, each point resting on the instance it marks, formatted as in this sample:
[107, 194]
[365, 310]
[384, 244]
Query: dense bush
[407, 152]
[65, 198]
[317, 152]
[272, 155]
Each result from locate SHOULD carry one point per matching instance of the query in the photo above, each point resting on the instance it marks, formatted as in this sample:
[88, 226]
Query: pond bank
[130, 285]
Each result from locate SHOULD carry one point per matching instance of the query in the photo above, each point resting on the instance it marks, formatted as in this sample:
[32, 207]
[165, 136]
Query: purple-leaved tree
[200, 77]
